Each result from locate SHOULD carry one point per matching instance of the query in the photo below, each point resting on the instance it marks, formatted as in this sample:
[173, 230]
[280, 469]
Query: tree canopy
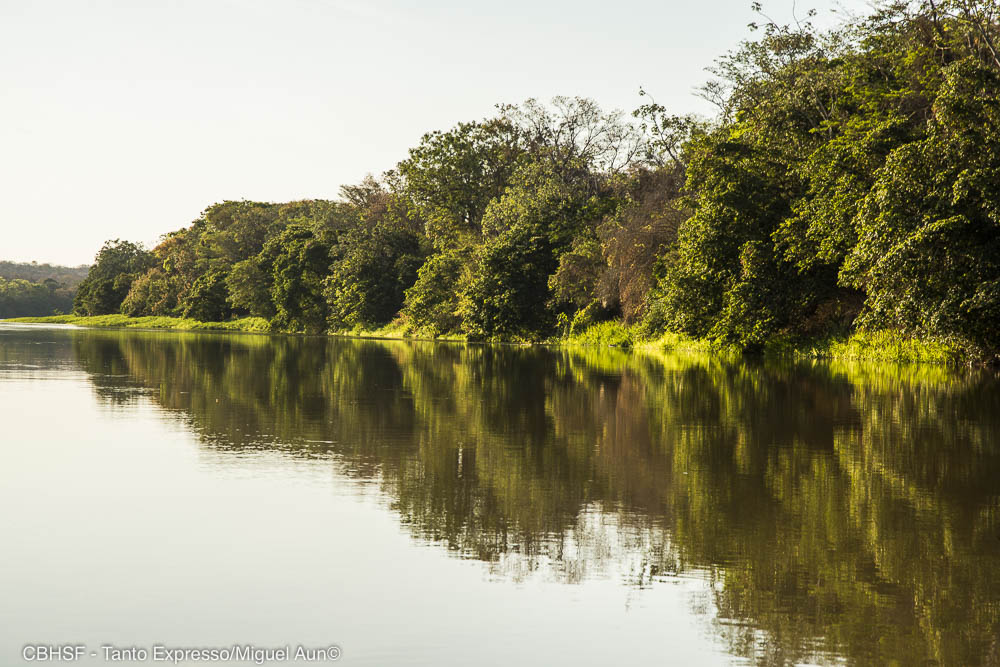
[848, 181]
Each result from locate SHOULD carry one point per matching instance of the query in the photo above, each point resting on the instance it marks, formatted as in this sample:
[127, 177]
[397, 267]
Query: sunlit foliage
[848, 183]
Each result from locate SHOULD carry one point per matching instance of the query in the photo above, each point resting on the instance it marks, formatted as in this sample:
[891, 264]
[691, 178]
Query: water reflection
[838, 510]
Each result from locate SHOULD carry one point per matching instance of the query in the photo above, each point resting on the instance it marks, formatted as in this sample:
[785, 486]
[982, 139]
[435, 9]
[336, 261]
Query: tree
[117, 264]
[637, 236]
[928, 255]
[249, 288]
[526, 230]
[300, 262]
[152, 293]
[574, 132]
[207, 299]
[451, 177]
[432, 303]
[24, 298]
[376, 261]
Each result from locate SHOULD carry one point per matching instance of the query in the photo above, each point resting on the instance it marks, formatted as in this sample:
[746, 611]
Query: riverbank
[245, 324]
[879, 346]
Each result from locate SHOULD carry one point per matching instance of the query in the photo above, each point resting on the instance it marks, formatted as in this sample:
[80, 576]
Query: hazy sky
[126, 119]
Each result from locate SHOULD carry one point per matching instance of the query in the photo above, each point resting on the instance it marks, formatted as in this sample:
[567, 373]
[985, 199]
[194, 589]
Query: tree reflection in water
[836, 509]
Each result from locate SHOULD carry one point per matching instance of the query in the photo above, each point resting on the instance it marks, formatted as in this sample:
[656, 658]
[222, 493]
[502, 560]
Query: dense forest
[38, 289]
[849, 181]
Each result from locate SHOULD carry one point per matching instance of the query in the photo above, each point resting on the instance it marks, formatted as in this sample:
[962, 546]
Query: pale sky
[127, 119]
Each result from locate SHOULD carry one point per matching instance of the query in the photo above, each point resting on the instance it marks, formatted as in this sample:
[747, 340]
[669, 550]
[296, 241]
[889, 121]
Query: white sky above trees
[126, 119]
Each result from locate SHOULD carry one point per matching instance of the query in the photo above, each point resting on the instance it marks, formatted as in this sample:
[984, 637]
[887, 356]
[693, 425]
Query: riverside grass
[246, 324]
[885, 346]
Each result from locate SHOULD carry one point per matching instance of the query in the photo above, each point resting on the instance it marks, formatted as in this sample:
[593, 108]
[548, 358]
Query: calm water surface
[456, 505]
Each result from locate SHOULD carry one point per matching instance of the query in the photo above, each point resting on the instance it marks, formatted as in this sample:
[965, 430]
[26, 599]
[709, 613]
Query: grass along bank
[870, 346]
[246, 324]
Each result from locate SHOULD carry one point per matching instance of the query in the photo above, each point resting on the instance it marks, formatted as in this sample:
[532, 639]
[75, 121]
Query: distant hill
[68, 276]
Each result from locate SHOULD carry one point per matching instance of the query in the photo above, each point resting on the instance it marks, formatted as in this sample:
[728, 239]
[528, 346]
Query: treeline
[28, 290]
[69, 276]
[851, 179]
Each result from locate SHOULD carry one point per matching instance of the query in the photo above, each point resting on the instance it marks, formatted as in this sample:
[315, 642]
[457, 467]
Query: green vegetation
[606, 334]
[21, 298]
[847, 186]
[870, 346]
[37, 289]
[248, 324]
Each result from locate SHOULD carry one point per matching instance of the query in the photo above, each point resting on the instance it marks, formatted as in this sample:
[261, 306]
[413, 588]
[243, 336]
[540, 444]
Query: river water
[446, 504]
